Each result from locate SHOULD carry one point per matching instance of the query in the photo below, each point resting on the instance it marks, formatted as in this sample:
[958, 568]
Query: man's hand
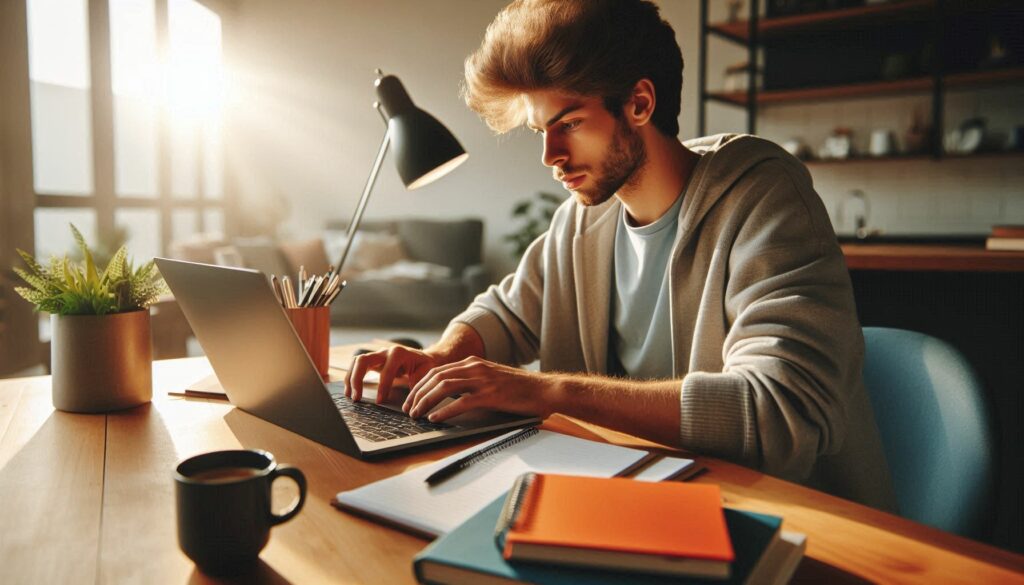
[392, 363]
[481, 384]
[458, 341]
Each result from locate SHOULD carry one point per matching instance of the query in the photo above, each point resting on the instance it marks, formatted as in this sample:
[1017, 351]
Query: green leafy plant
[104, 248]
[66, 287]
[534, 217]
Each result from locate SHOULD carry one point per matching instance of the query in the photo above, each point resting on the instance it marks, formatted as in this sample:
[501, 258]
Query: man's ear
[639, 108]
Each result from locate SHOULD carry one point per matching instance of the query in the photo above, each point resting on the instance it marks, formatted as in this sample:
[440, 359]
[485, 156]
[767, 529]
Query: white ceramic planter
[101, 362]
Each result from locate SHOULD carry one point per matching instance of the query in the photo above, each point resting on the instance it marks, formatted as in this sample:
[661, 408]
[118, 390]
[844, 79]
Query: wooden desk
[89, 498]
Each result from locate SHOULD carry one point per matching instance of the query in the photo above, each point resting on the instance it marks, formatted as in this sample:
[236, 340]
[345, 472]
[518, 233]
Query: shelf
[770, 28]
[914, 158]
[873, 88]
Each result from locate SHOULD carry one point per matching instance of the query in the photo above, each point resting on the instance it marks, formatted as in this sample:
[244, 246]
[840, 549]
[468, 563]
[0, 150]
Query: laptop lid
[254, 350]
[265, 370]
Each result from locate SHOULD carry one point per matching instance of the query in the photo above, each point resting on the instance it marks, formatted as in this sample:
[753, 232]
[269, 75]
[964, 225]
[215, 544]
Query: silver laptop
[266, 371]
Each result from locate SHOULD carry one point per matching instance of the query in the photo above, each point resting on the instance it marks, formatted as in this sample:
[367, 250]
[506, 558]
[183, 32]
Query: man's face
[593, 153]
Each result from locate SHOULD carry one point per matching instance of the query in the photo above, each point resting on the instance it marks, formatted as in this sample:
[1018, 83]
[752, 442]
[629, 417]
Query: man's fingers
[468, 368]
[465, 403]
[468, 362]
[416, 372]
[396, 364]
[360, 365]
[438, 392]
[431, 378]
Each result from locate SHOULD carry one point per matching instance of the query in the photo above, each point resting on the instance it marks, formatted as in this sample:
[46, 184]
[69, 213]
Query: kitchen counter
[930, 257]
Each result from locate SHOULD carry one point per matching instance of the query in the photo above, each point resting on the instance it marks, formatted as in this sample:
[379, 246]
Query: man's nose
[555, 153]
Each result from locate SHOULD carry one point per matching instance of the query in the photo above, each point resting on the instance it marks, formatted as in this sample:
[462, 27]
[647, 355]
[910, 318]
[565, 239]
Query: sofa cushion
[373, 251]
[407, 270]
[385, 303]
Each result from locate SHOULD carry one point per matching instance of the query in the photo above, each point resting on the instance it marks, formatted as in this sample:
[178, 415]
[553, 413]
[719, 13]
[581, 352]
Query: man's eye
[571, 125]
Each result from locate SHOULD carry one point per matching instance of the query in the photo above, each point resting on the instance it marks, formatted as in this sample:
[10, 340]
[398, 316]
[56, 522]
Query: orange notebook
[616, 523]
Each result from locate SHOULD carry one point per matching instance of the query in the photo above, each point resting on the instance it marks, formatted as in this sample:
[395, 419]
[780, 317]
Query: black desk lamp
[424, 149]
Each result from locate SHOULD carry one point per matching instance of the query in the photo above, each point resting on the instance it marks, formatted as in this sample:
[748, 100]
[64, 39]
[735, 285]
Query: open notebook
[408, 501]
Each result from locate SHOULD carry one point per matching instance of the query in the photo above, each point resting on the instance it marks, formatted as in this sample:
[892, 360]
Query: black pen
[464, 462]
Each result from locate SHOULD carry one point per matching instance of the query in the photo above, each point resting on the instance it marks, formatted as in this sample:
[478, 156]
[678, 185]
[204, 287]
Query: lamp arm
[354, 224]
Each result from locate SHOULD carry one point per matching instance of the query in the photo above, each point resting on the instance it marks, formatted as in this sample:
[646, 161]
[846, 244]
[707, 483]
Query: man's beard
[623, 162]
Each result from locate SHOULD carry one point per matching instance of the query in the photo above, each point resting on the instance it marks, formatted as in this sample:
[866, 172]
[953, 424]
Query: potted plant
[534, 216]
[101, 351]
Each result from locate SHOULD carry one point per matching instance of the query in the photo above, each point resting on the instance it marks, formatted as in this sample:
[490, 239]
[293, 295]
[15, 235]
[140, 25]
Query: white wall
[950, 196]
[301, 126]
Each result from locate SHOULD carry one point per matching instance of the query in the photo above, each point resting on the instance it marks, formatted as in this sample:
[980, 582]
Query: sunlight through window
[61, 104]
[195, 75]
[135, 82]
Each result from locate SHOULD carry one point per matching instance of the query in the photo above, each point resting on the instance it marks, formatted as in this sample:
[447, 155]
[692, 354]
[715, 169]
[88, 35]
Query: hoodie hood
[724, 160]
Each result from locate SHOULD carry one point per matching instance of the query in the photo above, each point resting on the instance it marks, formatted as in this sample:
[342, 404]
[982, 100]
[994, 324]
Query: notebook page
[666, 468]
[406, 499]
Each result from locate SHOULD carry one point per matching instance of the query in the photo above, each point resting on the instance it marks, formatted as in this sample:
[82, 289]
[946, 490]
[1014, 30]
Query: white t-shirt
[641, 333]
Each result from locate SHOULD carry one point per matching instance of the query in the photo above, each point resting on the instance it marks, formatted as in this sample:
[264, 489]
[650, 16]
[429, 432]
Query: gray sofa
[428, 303]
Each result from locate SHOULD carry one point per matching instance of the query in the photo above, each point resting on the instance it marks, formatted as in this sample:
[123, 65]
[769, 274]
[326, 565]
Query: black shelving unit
[933, 18]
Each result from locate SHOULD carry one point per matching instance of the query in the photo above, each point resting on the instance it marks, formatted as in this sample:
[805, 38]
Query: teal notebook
[468, 554]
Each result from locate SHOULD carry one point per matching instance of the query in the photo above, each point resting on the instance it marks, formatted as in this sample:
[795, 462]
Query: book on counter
[764, 554]
[616, 523]
[1006, 237]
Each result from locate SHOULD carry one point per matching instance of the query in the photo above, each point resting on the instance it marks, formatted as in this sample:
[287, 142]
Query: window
[60, 92]
[132, 146]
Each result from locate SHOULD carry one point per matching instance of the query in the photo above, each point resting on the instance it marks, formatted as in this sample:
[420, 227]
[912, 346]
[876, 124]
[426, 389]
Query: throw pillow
[408, 270]
[373, 250]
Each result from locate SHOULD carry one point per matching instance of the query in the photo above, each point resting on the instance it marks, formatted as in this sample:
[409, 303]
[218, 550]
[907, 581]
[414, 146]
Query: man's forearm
[458, 342]
[647, 409]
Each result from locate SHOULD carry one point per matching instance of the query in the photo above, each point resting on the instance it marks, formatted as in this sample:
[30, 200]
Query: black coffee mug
[224, 513]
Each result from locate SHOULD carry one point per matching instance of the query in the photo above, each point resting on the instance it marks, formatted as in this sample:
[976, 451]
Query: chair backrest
[931, 412]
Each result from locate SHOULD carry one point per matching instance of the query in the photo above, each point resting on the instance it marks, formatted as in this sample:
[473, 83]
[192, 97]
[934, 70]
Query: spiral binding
[513, 506]
[500, 446]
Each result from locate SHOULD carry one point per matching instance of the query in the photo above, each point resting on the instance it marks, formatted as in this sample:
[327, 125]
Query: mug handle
[296, 475]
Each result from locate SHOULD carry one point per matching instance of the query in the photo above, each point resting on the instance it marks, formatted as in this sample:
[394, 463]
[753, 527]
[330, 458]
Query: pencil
[335, 280]
[311, 291]
[286, 286]
[318, 287]
[277, 288]
[303, 292]
[336, 292]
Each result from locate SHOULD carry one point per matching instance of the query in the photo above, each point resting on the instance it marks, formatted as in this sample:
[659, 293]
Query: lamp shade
[423, 149]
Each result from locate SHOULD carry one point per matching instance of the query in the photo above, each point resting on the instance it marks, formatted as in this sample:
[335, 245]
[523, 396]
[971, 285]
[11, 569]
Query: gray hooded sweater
[765, 338]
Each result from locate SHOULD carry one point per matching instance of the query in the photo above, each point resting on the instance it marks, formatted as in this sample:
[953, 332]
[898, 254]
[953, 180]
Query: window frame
[20, 347]
[104, 200]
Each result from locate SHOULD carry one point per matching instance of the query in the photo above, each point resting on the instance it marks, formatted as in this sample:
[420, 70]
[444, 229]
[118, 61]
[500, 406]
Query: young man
[689, 293]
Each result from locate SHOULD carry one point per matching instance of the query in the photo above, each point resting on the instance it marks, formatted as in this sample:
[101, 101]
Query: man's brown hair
[585, 47]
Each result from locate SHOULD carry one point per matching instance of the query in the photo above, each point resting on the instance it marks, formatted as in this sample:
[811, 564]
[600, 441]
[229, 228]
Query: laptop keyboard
[376, 423]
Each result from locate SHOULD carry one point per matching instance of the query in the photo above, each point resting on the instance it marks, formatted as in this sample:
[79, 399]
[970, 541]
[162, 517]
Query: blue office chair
[936, 433]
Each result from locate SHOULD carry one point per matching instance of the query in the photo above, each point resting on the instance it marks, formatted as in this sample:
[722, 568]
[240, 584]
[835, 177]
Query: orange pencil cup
[313, 326]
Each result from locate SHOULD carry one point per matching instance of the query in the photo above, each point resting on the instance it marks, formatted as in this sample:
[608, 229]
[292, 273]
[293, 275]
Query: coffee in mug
[224, 507]
[225, 475]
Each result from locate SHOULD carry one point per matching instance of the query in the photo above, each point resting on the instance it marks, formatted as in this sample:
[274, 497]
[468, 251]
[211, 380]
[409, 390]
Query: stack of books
[1006, 237]
[554, 529]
